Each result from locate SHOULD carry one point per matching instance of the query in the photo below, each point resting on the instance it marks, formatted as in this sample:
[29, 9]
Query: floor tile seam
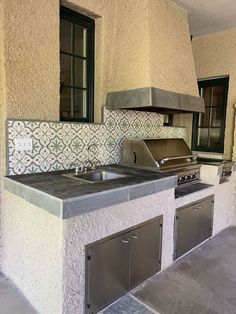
[144, 304]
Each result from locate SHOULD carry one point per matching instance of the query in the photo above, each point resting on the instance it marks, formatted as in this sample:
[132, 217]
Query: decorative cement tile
[57, 145]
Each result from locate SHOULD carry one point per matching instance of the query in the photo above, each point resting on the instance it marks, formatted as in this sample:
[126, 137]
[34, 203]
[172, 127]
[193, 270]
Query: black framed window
[209, 127]
[77, 66]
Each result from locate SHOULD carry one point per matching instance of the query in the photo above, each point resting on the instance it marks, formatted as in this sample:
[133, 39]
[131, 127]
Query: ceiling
[209, 16]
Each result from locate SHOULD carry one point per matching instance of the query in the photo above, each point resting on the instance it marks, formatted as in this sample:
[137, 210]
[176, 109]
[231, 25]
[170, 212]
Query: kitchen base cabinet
[117, 264]
[193, 225]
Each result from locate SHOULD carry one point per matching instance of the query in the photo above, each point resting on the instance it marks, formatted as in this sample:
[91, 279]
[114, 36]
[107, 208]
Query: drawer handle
[125, 241]
[135, 236]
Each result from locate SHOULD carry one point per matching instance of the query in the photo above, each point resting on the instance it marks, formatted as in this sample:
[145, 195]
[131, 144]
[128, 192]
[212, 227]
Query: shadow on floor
[11, 299]
[202, 282]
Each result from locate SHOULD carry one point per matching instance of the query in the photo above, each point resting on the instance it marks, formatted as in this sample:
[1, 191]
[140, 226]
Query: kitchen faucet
[90, 163]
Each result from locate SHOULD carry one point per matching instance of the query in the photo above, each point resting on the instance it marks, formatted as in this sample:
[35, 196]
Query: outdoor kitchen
[118, 164]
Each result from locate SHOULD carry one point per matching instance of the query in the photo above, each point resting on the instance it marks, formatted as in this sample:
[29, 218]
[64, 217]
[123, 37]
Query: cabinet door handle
[125, 241]
[134, 236]
[197, 208]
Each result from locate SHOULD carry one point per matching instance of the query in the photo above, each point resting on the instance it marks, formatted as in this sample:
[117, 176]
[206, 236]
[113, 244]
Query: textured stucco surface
[171, 57]
[138, 44]
[86, 229]
[2, 114]
[32, 253]
[224, 207]
[214, 55]
[31, 43]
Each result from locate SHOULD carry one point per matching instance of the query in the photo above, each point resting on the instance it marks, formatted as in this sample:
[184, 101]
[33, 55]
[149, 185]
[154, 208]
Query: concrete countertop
[67, 197]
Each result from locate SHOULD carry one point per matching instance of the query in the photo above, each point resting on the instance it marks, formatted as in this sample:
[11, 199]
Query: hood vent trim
[154, 100]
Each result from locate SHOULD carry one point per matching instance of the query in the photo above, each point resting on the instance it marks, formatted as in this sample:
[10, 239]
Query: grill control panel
[188, 176]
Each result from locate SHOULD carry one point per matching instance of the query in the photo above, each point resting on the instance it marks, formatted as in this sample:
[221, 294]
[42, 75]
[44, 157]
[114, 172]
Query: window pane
[217, 117]
[80, 108]
[218, 92]
[202, 137]
[207, 96]
[214, 137]
[65, 36]
[204, 118]
[80, 34]
[66, 74]
[79, 72]
[65, 109]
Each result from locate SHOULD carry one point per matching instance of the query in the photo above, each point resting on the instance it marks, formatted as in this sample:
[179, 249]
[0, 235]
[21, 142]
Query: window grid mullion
[73, 69]
[73, 54]
[88, 24]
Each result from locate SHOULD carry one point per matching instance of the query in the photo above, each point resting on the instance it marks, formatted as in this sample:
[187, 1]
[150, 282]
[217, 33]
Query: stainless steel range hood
[155, 100]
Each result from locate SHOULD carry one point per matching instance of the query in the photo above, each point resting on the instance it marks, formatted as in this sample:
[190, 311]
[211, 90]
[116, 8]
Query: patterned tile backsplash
[57, 145]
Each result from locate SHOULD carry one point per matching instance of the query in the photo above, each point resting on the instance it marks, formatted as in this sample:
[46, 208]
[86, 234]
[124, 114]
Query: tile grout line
[144, 304]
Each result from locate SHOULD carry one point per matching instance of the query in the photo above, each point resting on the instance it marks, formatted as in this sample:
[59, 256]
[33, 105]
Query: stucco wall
[138, 44]
[32, 58]
[32, 253]
[2, 115]
[171, 58]
[214, 55]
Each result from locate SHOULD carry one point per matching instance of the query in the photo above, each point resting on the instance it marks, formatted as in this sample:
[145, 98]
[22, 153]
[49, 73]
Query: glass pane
[217, 117]
[80, 104]
[218, 93]
[207, 96]
[65, 102]
[80, 72]
[80, 34]
[66, 74]
[214, 137]
[202, 137]
[65, 36]
[204, 118]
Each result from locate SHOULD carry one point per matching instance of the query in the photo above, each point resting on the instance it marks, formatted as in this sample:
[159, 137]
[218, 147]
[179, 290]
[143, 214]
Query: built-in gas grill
[165, 155]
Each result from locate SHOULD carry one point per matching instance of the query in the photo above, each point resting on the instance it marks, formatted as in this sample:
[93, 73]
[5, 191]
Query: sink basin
[95, 176]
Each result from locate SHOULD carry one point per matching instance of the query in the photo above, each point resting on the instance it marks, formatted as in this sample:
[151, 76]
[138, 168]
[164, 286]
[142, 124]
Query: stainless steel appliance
[171, 156]
[154, 100]
[193, 225]
[225, 167]
[118, 263]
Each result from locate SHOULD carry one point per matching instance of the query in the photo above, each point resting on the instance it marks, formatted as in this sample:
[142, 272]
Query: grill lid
[157, 154]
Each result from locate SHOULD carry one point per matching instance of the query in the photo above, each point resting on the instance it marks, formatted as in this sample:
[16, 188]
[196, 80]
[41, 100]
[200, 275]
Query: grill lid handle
[164, 160]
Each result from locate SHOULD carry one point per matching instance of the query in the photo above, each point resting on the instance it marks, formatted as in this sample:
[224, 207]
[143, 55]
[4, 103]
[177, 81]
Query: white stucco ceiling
[209, 16]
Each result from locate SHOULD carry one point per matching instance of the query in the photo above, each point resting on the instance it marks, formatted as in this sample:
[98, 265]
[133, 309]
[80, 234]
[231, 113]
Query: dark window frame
[89, 24]
[224, 81]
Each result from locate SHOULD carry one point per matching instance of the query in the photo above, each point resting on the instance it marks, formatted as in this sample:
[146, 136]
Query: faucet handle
[96, 163]
[78, 168]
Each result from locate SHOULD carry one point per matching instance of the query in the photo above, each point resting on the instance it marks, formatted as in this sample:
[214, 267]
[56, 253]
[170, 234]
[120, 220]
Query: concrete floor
[202, 282]
[11, 299]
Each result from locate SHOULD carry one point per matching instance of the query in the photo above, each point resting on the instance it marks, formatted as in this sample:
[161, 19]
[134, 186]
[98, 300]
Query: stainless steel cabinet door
[107, 271]
[193, 225]
[145, 251]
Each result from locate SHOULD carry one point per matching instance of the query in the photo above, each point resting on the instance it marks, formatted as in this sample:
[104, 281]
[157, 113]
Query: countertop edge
[50, 203]
[80, 205]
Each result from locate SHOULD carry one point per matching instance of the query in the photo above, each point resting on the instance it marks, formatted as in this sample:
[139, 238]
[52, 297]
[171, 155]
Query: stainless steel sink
[95, 176]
